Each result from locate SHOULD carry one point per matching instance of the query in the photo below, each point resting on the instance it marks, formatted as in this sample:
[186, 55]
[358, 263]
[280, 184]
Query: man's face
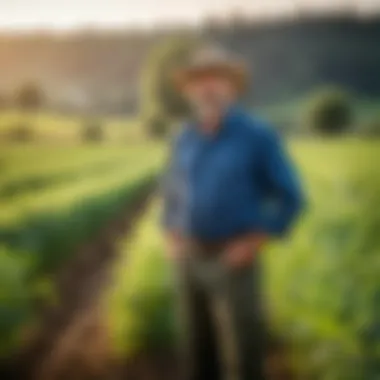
[209, 93]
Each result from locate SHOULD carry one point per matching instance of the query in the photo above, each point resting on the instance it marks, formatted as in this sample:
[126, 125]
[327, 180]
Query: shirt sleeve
[285, 187]
[168, 198]
[169, 193]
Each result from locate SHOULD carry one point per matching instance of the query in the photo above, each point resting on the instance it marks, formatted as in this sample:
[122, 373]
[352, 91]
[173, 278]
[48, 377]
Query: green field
[52, 199]
[52, 127]
[322, 284]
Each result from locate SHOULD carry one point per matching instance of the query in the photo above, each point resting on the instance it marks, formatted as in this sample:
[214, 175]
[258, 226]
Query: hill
[95, 70]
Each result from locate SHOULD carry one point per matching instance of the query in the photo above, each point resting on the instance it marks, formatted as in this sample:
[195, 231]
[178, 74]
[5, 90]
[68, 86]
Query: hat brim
[235, 72]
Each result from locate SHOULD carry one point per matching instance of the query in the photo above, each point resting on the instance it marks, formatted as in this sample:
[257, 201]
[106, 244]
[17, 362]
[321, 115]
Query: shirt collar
[229, 118]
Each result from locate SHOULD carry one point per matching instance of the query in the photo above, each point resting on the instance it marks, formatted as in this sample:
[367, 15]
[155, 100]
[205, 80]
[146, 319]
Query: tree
[92, 132]
[3, 101]
[157, 126]
[329, 111]
[159, 95]
[21, 132]
[29, 97]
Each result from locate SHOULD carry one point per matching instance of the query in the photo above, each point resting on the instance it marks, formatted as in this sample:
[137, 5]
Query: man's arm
[284, 185]
[170, 194]
[288, 198]
[168, 199]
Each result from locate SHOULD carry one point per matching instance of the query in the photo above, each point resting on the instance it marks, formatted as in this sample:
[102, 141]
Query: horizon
[48, 15]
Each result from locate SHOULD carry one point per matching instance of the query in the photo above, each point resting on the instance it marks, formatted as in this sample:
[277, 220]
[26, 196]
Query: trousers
[223, 334]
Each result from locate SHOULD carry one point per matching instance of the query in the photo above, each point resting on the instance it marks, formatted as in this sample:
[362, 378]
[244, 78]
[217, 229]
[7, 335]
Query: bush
[158, 90]
[29, 97]
[21, 132]
[17, 296]
[157, 126]
[329, 111]
[92, 132]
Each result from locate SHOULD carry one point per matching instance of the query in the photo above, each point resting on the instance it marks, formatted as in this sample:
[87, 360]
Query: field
[52, 200]
[87, 111]
[66, 129]
[322, 283]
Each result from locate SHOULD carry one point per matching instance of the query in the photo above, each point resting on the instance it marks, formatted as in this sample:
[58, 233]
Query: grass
[52, 200]
[139, 304]
[61, 195]
[67, 128]
[26, 170]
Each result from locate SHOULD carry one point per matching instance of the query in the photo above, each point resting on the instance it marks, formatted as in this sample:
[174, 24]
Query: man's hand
[241, 252]
[174, 244]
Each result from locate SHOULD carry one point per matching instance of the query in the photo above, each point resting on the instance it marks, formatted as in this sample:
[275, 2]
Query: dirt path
[73, 343]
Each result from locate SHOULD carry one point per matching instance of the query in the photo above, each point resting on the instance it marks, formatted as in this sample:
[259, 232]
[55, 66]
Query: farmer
[230, 189]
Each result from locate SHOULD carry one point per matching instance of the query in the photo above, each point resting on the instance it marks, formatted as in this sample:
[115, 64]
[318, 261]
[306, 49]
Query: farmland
[52, 200]
[321, 284]
[67, 129]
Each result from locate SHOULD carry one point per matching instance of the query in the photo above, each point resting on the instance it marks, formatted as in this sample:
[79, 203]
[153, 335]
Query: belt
[202, 246]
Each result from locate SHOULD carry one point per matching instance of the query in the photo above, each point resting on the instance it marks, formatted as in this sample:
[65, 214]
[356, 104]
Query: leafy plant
[329, 111]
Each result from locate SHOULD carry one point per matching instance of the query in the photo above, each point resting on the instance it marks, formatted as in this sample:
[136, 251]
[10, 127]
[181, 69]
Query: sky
[68, 14]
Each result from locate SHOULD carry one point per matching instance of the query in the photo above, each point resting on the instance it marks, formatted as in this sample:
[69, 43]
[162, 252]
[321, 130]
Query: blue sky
[67, 14]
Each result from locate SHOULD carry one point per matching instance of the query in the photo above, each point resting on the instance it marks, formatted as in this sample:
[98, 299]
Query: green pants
[223, 319]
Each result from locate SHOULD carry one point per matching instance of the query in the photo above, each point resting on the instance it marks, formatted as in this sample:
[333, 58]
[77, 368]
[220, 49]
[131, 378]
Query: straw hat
[213, 60]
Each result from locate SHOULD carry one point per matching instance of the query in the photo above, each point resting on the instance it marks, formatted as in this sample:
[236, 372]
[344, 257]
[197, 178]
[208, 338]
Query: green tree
[157, 126]
[92, 131]
[29, 97]
[159, 95]
[329, 111]
[3, 101]
[21, 132]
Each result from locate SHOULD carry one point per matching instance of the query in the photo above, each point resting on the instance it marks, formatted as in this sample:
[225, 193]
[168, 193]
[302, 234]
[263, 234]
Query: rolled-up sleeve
[169, 199]
[171, 190]
[284, 184]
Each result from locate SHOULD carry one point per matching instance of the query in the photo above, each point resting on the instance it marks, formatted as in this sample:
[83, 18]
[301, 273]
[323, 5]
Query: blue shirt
[238, 181]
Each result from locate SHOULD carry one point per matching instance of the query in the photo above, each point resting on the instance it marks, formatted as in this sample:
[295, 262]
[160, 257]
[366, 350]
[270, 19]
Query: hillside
[100, 70]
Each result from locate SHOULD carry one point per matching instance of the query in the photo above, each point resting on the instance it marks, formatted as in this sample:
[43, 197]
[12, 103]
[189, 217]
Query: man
[231, 187]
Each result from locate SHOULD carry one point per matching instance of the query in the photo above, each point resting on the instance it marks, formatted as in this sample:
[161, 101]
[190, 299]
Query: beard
[209, 107]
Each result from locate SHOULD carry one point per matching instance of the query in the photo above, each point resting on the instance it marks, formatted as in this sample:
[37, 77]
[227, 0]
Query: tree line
[328, 110]
[287, 58]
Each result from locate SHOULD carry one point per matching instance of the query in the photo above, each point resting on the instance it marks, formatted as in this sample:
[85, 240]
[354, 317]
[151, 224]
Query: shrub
[17, 295]
[92, 132]
[329, 111]
[157, 126]
[21, 132]
[29, 97]
[158, 90]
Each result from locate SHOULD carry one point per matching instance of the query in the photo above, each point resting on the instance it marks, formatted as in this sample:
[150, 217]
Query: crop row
[40, 230]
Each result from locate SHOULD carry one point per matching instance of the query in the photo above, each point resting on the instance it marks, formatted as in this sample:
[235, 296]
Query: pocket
[236, 271]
